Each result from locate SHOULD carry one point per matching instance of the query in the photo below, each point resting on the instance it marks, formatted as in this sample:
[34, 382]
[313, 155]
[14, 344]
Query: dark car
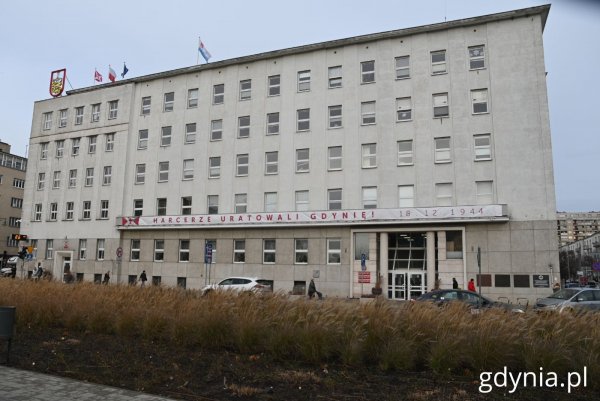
[474, 300]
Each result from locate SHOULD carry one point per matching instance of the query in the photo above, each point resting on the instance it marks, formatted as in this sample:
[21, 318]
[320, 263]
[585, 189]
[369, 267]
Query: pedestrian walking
[312, 290]
[454, 283]
[143, 278]
[472, 286]
[106, 278]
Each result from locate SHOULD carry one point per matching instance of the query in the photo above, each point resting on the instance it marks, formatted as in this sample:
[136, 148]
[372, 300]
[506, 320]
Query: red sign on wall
[364, 277]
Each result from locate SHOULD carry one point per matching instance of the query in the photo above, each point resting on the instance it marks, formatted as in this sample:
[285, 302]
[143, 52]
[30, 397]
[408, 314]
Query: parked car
[570, 299]
[240, 284]
[11, 267]
[472, 299]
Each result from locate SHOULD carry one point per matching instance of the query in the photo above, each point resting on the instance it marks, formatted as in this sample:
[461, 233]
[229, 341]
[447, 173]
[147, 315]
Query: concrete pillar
[383, 260]
[430, 260]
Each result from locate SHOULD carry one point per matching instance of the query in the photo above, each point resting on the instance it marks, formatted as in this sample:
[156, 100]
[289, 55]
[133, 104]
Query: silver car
[240, 284]
[570, 299]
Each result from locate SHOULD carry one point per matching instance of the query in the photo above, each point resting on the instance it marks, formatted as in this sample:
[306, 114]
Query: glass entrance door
[405, 284]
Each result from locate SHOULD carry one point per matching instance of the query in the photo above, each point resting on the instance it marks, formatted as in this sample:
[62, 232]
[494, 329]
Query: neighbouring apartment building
[386, 160]
[576, 226]
[12, 184]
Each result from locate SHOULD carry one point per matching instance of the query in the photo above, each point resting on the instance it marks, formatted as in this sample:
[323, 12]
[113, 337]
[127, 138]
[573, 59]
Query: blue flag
[205, 54]
[125, 71]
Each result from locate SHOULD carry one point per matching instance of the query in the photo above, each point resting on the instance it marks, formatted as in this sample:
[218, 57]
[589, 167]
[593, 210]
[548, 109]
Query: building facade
[576, 226]
[12, 184]
[393, 160]
[581, 259]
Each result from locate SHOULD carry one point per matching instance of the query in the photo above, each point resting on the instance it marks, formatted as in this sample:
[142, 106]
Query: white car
[240, 284]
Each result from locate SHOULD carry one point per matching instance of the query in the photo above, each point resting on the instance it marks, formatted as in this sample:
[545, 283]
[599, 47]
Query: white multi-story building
[398, 154]
[576, 226]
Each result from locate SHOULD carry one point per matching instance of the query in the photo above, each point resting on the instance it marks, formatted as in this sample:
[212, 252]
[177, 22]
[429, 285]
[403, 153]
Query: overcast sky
[37, 37]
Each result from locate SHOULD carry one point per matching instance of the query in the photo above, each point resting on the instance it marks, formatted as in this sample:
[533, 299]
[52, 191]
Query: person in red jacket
[471, 286]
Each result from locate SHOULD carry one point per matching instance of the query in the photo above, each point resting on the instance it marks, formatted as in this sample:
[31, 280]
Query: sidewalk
[24, 385]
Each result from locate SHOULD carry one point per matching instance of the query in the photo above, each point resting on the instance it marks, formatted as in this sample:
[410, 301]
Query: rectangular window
[403, 67]
[334, 158]
[334, 199]
[60, 148]
[334, 251]
[75, 142]
[188, 169]
[140, 173]
[70, 210]
[405, 153]
[213, 204]
[246, 89]
[241, 203]
[165, 136]
[135, 249]
[406, 196]
[79, 115]
[440, 105]
[169, 101]
[302, 160]
[300, 251]
[37, 212]
[49, 249]
[404, 109]
[190, 133]
[214, 167]
[161, 206]
[244, 127]
[113, 109]
[274, 85]
[96, 112]
[163, 171]
[270, 201]
[86, 211]
[269, 251]
[218, 94]
[89, 176]
[192, 99]
[216, 130]
[367, 72]
[138, 207]
[41, 181]
[159, 250]
[110, 142]
[146, 102]
[62, 118]
[476, 57]
[47, 121]
[484, 192]
[304, 81]
[483, 147]
[100, 248]
[335, 116]
[443, 194]
[502, 280]
[82, 249]
[454, 245]
[18, 183]
[479, 98]
[184, 250]
[56, 180]
[335, 77]
[303, 120]
[107, 175]
[367, 113]
[369, 155]
[271, 163]
[442, 150]
[438, 62]
[241, 165]
[369, 197]
[302, 201]
[43, 151]
[272, 123]
[239, 251]
[53, 212]
[92, 144]
[521, 280]
[104, 209]
[16, 203]
[142, 139]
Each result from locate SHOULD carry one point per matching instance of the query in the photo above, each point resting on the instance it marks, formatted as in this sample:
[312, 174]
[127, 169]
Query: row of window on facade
[72, 178]
[92, 142]
[12, 161]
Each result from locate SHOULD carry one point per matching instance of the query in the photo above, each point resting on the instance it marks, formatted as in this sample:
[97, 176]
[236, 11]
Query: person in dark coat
[106, 278]
[454, 283]
[143, 278]
[312, 290]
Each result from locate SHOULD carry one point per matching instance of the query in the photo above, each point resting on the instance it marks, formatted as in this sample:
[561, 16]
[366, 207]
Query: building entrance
[406, 285]
[407, 265]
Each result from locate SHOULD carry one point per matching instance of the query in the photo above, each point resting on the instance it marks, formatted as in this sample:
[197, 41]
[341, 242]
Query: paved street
[23, 385]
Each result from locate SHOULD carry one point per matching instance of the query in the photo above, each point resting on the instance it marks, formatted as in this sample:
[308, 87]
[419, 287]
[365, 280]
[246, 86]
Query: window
[96, 112]
[270, 201]
[334, 158]
[140, 173]
[142, 139]
[367, 72]
[304, 81]
[242, 165]
[56, 180]
[62, 118]
[502, 280]
[41, 181]
[16, 203]
[302, 160]
[107, 175]
[274, 85]
[454, 245]
[440, 105]
[49, 249]
[438, 62]
[18, 183]
[188, 169]
[443, 194]
[146, 102]
[521, 280]
[47, 121]
[403, 109]
[82, 249]
[86, 211]
[43, 151]
[113, 109]
[92, 144]
[271, 163]
[369, 155]
[72, 178]
[303, 119]
[479, 98]
[161, 206]
[246, 89]
[403, 67]
[244, 127]
[135, 249]
[216, 130]
[406, 196]
[60, 148]
[476, 57]
[269, 251]
[53, 211]
[335, 116]
[218, 94]
[241, 203]
[442, 150]
[89, 176]
[190, 133]
[334, 199]
[100, 249]
[169, 101]
[70, 210]
[302, 201]
[301, 251]
[484, 192]
[192, 99]
[405, 153]
[272, 123]
[79, 115]
[165, 136]
[163, 171]
[37, 212]
[483, 147]
[104, 209]
[369, 197]
[213, 204]
[138, 207]
[159, 250]
[361, 246]
[75, 142]
[367, 113]
[239, 251]
[184, 250]
[214, 167]
[334, 251]
[110, 142]
[335, 77]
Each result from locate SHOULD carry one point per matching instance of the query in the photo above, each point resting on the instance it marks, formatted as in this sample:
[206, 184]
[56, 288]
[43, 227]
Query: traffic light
[23, 252]
[19, 237]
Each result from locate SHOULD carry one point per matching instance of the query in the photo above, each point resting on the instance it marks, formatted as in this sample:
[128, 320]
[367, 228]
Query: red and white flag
[97, 76]
[112, 75]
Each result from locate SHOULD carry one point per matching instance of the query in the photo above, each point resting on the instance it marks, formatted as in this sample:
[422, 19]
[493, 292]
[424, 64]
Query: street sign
[541, 281]
[208, 253]
[119, 252]
[364, 277]
[596, 266]
[363, 262]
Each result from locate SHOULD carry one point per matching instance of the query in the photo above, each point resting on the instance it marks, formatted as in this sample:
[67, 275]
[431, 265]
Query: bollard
[7, 326]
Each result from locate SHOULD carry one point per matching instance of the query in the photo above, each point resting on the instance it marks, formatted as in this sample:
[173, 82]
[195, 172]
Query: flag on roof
[112, 75]
[205, 54]
[97, 76]
[125, 71]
